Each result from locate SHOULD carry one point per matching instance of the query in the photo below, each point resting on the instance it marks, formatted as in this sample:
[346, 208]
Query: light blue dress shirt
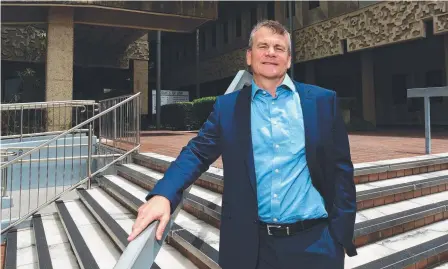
[285, 191]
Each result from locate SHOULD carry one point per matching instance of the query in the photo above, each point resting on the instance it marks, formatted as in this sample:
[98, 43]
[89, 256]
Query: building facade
[368, 52]
[88, 50]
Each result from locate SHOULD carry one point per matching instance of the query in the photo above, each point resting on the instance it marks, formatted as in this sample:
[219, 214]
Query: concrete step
[441, 266]
[382, 222]
[380, 170]
[394, 190]
[117, 221]
[51, 238]
[189, 235]
[42, 245]
[21, 249]
[425, 245]
[364, 172]
[200, 202]
[211, 179]
[90, 243]
[372, 224]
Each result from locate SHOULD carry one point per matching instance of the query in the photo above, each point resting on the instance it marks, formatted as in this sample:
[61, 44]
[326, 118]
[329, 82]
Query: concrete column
[140, 84]
[368, 87]
[59, 65]
[310, 73]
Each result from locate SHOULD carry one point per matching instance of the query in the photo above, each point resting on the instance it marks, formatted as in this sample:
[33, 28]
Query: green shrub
[202, 108]
[178, 116]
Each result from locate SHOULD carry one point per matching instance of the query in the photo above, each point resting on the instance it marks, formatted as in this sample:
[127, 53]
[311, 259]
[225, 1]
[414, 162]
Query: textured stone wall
[28, 43]
[376, 25]
[25, 43]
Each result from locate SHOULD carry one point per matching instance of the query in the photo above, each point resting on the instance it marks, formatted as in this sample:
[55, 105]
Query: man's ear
[248, 57]
[290, 61]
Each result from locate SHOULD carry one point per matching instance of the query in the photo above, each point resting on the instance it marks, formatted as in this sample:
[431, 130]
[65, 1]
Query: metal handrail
[83, 181]
[42, 134]
[16, 106]
[86, 173]
[70, 130]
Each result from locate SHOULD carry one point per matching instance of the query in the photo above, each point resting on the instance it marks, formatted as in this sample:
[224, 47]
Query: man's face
[269, 56]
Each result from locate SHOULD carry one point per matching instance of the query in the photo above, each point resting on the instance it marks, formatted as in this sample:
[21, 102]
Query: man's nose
[271, 51]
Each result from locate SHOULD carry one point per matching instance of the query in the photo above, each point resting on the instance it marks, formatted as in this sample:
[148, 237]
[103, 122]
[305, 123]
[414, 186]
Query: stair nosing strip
[377, 224]
[176, 228]
[129, 196]
[11, 250]
[410, 255]
[106, 218]
[398, 188]
[212, 176]
[42, 248]
[82, 251]
[112, 224]
[399, 166]
[196, 242]
[204, 202]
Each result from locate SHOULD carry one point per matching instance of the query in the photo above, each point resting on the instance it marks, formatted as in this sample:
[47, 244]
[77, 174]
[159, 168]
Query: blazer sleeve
[194, 159]
[343, 215]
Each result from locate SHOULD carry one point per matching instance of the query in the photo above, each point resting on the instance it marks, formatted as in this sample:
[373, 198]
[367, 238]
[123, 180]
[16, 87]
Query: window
[214, 36]
[202, 40]
[225, 31]
[271, 10]
[434, 78]
[253, 16]
[399, 94]
[293, 7]
[238, 25]
[313, 4]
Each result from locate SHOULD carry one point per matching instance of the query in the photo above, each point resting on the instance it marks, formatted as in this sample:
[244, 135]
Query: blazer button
[255, 221]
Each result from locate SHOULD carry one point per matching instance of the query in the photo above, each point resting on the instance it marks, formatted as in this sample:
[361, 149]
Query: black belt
[290, 228]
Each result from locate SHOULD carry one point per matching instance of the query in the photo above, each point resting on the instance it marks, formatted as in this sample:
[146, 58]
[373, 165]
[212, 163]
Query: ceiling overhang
[167, 16]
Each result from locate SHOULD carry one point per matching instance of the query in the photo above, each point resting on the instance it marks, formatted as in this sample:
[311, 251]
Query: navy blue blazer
[227, 133]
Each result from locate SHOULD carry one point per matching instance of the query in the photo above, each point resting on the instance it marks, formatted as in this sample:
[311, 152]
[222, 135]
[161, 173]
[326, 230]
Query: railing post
[89, 158]
[21, 124]
[4, 173]
[427, 124]
[114, 124]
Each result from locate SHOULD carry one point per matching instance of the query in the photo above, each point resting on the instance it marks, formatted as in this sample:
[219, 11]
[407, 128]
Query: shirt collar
[287, 82]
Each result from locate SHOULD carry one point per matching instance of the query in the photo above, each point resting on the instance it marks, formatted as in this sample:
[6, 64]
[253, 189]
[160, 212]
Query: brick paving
[364, 146]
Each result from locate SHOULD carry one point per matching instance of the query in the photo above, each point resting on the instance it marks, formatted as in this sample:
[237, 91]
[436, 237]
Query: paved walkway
[365, 147]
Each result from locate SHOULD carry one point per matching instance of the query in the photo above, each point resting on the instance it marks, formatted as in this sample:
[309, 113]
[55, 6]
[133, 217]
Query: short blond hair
[275, 27]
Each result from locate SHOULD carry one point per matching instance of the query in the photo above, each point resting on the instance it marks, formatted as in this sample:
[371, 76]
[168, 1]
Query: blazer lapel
[244, 134]
[309, 111]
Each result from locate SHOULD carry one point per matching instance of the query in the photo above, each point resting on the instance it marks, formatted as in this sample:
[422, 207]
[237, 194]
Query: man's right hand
[156, 208]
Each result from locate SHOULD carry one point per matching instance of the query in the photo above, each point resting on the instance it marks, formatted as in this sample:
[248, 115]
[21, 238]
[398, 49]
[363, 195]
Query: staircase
[402, 219]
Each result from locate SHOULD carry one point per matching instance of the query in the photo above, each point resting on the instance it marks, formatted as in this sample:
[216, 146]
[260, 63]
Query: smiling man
[289, 199]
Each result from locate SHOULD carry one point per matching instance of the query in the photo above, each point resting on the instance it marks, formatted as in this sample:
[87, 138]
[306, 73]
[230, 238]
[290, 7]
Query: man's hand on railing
[156, 208]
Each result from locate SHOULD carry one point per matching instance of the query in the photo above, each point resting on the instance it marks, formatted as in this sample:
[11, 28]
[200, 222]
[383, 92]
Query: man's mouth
[269, 63]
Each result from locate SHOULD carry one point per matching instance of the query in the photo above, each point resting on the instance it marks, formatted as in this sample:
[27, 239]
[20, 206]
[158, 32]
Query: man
[289, 199]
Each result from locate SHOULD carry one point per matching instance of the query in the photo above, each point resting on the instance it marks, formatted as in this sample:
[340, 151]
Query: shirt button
[276, 170]
[275, 195]
[275, 220]
[272, 102]
[277, 146]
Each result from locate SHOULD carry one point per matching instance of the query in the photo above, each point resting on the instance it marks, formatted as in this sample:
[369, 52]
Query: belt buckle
[276, 226]
[272, 226]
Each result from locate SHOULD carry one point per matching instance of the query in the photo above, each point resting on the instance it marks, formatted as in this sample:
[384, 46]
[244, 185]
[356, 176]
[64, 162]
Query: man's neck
[270, 85]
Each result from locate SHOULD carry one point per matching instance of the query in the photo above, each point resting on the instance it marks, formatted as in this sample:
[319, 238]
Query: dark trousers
[313, 248]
